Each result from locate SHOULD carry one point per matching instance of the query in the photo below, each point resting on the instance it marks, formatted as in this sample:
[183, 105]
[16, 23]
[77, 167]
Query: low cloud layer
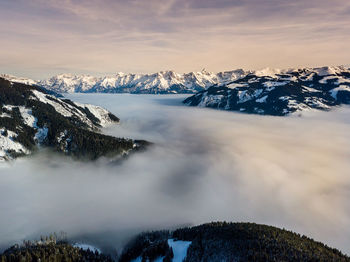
[206, 165]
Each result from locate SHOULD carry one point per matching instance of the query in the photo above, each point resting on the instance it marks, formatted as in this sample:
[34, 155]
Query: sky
[40, 38]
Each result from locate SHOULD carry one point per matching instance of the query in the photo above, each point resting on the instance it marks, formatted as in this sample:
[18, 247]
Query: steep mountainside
[278, 92]
[31, 117]
[166, 82]
[221, 241]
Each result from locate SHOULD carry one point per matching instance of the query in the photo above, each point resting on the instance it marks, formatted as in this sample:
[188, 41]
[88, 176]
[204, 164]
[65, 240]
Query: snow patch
[262, 99]
[210, 100]
[270, 84]
[235, 85]
[268, 72]
[41, 135]
[327, 70]
[310, 89]
[8, 143]
[179, 248]
[327, 78]
[334, 91]
[100, 113]
[244, 96]
[26, 114]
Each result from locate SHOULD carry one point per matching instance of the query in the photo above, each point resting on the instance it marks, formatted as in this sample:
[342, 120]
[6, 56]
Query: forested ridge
[51, 252]
[212, 242]
[222, 241]
[70, 135]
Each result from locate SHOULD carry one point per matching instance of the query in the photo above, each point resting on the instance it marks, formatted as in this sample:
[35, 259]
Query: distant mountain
[16, 79]
[279, 92]
[221, 241]
[31, 117]
[165, 82]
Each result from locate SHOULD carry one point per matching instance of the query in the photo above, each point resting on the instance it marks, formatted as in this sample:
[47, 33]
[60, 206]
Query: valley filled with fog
[205, 165]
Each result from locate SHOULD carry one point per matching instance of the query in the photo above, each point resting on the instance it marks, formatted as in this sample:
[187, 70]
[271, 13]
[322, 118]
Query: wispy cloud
[136, 35]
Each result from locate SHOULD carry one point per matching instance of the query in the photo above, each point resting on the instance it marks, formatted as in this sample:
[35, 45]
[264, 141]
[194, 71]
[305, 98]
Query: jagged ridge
[165, 82]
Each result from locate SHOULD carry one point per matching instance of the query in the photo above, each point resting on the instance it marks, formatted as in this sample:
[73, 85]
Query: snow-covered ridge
[31, 117]
[76, 109]
[279, 92]
[21, 80]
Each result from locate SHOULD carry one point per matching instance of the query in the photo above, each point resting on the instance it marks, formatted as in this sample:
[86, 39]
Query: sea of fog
[205, 165]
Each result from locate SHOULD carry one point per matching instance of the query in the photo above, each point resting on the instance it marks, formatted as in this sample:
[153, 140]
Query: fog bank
[206, 165]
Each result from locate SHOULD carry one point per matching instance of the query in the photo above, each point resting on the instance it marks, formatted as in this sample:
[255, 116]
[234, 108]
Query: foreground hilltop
[214, 242]
[221, 241]
[32, 117]
[279, 92]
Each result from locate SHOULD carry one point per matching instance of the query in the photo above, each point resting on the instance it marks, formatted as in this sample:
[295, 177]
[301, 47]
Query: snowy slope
[74, 109]
[179, 248]
[279, 92]
[16, 79]
[8, 143]
[31, 117]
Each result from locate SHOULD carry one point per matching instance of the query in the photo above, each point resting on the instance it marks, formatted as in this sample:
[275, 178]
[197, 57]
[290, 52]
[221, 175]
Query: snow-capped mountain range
[30, 117]
[279, 92]
[168, 82]
[267, 91]
[165, 82]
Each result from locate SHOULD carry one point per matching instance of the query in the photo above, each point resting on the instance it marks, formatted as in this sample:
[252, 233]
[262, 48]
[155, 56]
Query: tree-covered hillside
[221, 241]
[31, 116]
[51, 252]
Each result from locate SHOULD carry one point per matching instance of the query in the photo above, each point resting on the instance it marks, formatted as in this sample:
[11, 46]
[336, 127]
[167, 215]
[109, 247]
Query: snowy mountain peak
[329, 70]
[267, 72]
[16, 79]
